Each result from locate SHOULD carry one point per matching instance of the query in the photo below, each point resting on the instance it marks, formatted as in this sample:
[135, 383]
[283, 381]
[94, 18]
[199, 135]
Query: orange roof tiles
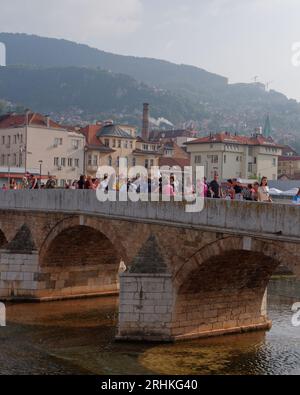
[18, 120]
[228, 138]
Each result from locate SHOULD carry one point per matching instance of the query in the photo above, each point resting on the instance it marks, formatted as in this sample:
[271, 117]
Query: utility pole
[41, 164]
[8, 163]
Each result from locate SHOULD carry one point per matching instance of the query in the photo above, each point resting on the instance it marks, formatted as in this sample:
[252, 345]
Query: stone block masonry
[189, 275]
[146, 306]
[17, 274]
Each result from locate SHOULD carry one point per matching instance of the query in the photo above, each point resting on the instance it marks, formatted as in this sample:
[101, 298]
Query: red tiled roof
[92, 141]
[289, 158]
[228, 138]
[288, 149]
[90, 133]
[181, 162]
[18, 120]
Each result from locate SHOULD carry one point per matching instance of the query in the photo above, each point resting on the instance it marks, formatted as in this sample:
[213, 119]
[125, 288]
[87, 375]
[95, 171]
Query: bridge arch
[3, 239]
[223, 286]
[78, 257]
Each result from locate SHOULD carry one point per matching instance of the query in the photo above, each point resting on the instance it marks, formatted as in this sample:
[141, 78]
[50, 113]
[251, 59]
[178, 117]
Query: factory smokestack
[145, 130]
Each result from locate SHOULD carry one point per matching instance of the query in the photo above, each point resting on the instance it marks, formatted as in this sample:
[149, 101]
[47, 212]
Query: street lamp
[41, 164]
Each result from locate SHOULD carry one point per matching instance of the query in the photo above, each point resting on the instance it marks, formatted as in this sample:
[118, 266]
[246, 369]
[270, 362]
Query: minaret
[267, 128]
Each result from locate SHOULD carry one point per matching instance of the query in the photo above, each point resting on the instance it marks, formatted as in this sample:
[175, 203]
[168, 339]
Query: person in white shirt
[264, 191]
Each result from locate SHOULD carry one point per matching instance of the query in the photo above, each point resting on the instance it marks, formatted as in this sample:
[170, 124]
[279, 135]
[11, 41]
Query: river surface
[77, 337]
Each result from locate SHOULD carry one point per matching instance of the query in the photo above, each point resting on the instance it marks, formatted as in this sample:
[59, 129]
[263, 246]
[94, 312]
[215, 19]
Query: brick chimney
[145, 130]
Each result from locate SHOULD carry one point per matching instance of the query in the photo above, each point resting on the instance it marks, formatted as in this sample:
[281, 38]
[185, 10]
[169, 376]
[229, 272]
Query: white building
[233, 156]
[33, 141]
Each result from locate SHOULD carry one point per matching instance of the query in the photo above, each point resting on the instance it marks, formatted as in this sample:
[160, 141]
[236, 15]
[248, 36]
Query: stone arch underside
[222, 288]
[78, 260]
[3, 240]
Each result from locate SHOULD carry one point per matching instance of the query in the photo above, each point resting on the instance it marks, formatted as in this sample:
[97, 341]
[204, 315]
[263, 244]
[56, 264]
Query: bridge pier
[150, 310]
[18, 274]
[146, 307]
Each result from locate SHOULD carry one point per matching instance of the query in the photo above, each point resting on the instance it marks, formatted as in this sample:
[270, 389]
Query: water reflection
[77, 337]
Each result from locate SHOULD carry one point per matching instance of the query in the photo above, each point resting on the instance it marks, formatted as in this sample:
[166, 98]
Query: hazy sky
[235, 38]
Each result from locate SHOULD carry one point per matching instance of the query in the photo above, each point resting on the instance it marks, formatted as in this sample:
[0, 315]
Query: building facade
[289, 168]
[33, 142]
[107, 143]
[232, 156]
[178, 136]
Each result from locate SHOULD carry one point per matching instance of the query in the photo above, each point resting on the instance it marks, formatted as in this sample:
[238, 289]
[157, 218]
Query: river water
[77, 337]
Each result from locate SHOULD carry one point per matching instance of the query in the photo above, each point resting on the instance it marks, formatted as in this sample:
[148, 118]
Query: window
[58, 141]
[255, 161]
[76, 162]
[109, 161]
[15, 139]
[126, 144]
[75, 144]
[133, 161]
[62, 183]
[197, 159]
[56, 161]
[21, 138]
[8, 141]
[114, 143]
[119, 144]
[95, 160]
[146, 163]
[250, 169]
[237, 158]
[274, 162]
[20, 159]
[90, 160]
[63, 162]
[118, 161]
[131, 144]
[2, 160]
[3, 140]
[106, 142]
[70, 162]
[151, 162]
[214, 159]
[225, 158]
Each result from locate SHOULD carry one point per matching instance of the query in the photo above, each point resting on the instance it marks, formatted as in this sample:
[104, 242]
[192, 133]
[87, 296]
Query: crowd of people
[170, 185]
[234, 190]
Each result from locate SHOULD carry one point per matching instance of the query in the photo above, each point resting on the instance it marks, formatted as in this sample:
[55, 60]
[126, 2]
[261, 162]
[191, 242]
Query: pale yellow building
[108, 142]
[232, 156]
[33, 141]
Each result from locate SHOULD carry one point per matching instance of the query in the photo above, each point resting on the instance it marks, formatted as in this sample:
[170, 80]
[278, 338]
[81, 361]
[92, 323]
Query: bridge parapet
[282, 220]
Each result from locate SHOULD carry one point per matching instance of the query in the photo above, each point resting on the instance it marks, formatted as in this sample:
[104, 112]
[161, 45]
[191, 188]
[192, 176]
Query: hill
[75, 81]
[92, 93]
[25, 49]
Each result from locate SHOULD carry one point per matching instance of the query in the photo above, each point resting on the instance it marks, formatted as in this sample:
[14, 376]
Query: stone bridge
[188, 274]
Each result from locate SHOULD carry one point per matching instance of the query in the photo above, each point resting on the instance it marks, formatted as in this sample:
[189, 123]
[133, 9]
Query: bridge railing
[242, 216]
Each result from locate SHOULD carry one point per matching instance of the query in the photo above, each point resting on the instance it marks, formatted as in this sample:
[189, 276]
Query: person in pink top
[168, 189]
[202, 187]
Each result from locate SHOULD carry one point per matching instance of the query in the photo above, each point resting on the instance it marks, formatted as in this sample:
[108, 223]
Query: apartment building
[289, 164]
[107, 142]
[33, 142]
[233, 156]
